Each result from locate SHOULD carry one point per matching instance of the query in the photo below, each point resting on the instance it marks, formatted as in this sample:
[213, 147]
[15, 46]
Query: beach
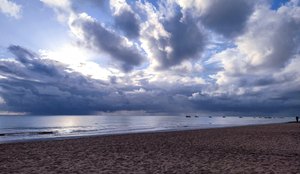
[271, 148]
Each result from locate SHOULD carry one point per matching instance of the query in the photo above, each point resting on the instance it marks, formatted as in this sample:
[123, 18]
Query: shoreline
[128, 133]
[245, 149]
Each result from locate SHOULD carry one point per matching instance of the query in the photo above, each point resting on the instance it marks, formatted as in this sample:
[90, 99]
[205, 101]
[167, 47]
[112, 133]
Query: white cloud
[62, 8]
[199, 5]
[63, 4]
[77, 59]
[118, 6]
[271, 38]
[151, 32]
[2, 101]
[10, 8]
[265, 56]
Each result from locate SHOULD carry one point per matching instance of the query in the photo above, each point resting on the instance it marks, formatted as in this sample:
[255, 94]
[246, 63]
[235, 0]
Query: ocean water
[28, 128]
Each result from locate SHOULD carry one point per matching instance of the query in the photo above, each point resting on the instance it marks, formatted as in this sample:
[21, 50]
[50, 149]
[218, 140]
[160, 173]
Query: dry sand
[251, 149]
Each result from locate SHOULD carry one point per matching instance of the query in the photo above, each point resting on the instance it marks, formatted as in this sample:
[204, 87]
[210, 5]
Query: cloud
[225, 17]
[177, 57]
[262, 65]
[101, 39]
[27, 59]
[10, 8]
[128, 23]
[62, 8]
[246, 105]
[171, 39]
[36, 85]
[97, 3]
[125, 19]
[40, 86]
[186, 40]
[57, 3]
[272, 37]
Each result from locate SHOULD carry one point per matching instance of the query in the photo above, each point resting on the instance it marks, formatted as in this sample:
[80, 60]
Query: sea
[38, 128]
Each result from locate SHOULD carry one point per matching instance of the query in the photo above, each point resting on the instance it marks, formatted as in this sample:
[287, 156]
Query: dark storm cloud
[42, 86]
[251, 104]
[185, 41]
[128, 23]
[55, 89]
[28, 59]
[102, 39]
[256, 74]
[227, 17]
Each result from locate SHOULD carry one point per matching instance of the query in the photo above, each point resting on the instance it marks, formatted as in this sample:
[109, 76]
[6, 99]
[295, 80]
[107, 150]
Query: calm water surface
[27, 128]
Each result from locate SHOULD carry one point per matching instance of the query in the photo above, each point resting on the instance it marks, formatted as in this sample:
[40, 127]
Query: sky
[150, 57]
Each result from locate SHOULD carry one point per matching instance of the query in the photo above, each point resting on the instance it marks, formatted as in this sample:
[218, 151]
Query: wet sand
[250, 149]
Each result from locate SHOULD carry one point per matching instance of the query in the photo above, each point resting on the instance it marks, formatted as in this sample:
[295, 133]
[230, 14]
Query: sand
[250, 149]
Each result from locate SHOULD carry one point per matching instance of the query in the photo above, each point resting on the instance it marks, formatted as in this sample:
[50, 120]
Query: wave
[59, 132]
[28, 133]
[84, 130]
[45, 127]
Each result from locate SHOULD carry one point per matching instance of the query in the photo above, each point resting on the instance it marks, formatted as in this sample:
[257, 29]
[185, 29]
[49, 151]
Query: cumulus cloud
[125, 19]
[221, 57]
[99, 38]
[186, 40]
[128, 23]
[226, 17]
[272, 37]
[36, 85]
[10, 8]
[261, 66]
[171, 39]
[41, 86]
